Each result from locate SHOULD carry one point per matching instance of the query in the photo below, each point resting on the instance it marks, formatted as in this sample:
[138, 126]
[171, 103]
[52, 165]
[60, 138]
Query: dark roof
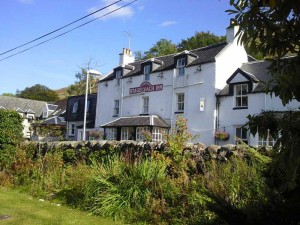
[24, 105]
[88, 125]
[78, 116]
[61, 107]
[135, 121]
[204, 55]
[256, 71]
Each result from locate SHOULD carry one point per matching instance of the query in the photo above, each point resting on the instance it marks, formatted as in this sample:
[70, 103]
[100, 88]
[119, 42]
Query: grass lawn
[26, 210]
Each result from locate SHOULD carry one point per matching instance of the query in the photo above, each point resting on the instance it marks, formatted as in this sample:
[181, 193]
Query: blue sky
[55, 63]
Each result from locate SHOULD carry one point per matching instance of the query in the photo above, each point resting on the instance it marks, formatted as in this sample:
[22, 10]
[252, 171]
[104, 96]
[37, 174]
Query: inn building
[148, 95]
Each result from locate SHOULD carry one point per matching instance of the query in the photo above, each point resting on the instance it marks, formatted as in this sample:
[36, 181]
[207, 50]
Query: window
[71, 129]
[269, 141]
[125, 133]
[180, 102]
[75, 107]
[158, 134]
[88, 106]
[145, 105]
[140, 133]
[111, 134]
[118, 77]
[241, 98]
[116, 107]
[147, 70]
[242, 133]
[181, 66]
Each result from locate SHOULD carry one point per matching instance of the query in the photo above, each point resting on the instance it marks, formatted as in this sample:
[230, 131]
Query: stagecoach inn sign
[146, 87]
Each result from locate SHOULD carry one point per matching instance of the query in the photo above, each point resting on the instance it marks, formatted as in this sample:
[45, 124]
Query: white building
[243, 95]
[149, 94]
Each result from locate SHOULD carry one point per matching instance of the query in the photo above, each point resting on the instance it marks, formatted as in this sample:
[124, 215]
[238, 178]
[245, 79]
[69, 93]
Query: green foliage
[10, 128]
[161, 47]
[200, 39]
[78, 88]
[38, 92]
[273, 29]
[8, 94]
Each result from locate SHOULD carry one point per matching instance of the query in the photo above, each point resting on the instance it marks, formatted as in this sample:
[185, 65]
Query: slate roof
[14, 103]
[257, 71]
[205, 55]
[135, 121]
[55, 120]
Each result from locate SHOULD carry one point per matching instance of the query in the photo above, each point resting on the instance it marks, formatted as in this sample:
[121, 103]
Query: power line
[43, 42]
[59, 28]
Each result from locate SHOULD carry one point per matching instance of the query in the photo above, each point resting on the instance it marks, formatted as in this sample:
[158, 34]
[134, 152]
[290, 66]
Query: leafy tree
[162, 47]
[200, 39]
[78, 88]
[10, 128]
[272, 27]
[10, 136]
[8, 94]
[38, 92]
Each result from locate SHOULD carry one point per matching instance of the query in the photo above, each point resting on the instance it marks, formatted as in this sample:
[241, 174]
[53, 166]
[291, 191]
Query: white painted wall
[228, 60]
[257, 102]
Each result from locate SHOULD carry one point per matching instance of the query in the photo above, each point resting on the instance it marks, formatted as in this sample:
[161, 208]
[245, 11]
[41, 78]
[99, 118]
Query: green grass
[26, 210]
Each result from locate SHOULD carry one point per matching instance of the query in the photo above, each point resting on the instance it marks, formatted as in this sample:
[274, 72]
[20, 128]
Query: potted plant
[221, 135]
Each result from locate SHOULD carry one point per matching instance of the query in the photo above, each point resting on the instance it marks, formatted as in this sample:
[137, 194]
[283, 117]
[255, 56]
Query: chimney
[231, 31]
[126, 57]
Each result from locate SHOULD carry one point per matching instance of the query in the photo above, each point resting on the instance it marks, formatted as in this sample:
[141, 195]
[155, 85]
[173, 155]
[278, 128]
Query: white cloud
[125, 12]
[25, 1]
[168, 23]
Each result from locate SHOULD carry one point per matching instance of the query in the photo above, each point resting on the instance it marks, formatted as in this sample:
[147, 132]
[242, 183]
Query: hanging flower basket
[221, 135]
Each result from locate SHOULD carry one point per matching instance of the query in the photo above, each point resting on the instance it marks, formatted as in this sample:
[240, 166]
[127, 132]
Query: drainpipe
[217, 124]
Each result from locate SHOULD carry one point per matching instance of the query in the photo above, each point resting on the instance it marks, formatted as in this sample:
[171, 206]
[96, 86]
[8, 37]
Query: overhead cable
[54, 31]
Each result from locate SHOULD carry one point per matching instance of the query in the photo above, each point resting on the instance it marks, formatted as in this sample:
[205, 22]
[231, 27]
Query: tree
[78, 88]
[38, 92]
[8, 94]
[272, 27]
[200, 39]
[10, 136]
[162, 47]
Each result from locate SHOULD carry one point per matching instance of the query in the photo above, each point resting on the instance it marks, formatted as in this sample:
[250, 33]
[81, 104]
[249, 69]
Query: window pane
[245, 101]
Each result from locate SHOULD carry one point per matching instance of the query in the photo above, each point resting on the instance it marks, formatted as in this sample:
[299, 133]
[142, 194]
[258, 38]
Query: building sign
[146, 87]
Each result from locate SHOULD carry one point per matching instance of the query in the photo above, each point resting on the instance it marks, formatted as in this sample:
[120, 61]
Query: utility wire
[69, 24]
[43, 42]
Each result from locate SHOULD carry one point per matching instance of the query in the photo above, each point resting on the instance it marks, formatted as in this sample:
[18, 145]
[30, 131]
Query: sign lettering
[146, 87]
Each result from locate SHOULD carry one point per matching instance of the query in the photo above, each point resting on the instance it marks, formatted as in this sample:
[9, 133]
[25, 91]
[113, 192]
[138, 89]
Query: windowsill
[242, 107]
[144, 114]
[115, 115]
[179, 112]
[71, 135]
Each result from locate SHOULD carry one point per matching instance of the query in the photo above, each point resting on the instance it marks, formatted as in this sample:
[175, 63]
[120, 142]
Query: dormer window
[241, 95]
[75, 107]
[118, 77]
[181, 63]
[147, 70]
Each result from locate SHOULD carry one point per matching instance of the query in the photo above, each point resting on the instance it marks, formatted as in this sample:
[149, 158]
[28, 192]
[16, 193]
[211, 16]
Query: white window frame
[268, 142]
[118, 77]
[147, 71]
[145, 105]
[71, 129]
[181, 63]
[111, 133]
[241, 95]
[116, 107]
[125, 133]
[158, 134]
[180, 102]
[75, 107]
[139, 135]
[242, 133]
